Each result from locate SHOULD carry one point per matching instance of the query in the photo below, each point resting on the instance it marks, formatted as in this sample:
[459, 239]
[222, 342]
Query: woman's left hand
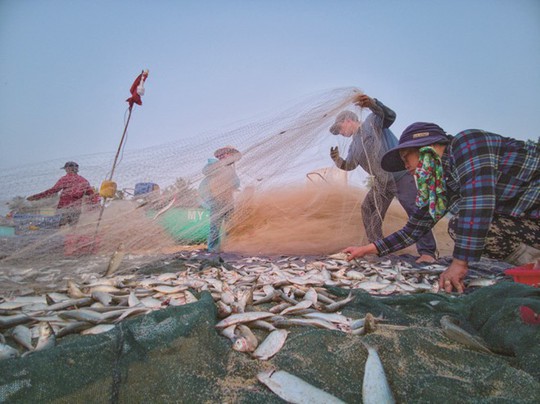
[453, 277]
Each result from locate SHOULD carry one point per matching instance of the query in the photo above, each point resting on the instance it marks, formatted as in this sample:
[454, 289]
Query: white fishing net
[290, 198]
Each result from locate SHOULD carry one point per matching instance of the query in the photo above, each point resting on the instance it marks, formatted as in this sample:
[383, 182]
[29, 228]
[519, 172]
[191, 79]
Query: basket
[525, 274]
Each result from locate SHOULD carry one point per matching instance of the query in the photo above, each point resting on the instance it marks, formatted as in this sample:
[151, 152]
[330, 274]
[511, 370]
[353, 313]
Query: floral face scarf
[431, 183]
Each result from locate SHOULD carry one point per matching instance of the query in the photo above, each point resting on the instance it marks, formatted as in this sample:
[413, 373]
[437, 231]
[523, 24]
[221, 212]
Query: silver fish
[375, 387]
[453, 331]
[304, 304]
[309, 322]
[102, 297]
[7, 352]
[244, 340]
[330, 308]
[74, 291]
[243, 318]
[98, 329]
[295, 390]
[271, 345]
[85, 301]
[23, 336]
[116, 260]
[83, 315]
[10, 321]
[47, 338]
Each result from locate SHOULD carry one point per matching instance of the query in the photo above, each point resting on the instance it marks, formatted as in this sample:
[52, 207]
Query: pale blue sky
[66, 66]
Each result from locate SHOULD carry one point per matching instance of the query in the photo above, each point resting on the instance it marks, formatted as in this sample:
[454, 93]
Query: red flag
[137, 89]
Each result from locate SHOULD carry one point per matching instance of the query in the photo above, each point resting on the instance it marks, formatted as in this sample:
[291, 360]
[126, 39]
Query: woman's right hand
[357, 252]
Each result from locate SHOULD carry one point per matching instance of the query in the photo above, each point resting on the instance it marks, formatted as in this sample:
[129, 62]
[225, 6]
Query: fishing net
[283, 198]
[177, 355]
[284, 194]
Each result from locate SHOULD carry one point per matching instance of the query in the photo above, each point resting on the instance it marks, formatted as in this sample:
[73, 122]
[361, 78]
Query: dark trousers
[377, 203]
[505, 235]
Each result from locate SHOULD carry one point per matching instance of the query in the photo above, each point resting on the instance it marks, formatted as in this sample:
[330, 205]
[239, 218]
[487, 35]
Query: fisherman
[217, 191]
[370, 140]
[491, 185]
[72, 188]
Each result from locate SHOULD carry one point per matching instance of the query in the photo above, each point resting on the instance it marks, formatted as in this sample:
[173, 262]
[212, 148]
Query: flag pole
[137, 90]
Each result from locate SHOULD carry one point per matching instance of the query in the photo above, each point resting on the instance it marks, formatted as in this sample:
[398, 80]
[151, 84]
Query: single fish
[23, 336]
[453, 331]
[10, 321]
[102, 297]
[98, 329]
[309, 322]
[375, 387]
[243, 318]
[85, 301]
[304, 304]
[72, 328]
[73, 290]
[7, 352]
[330, 308]
[332, 317]
[295, 390]
[271, 345]
[116, 260]
[47, 338]
[83, 315]
[245, 333]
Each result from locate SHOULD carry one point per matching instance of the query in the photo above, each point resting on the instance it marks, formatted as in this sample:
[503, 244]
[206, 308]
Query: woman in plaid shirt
[490, 183]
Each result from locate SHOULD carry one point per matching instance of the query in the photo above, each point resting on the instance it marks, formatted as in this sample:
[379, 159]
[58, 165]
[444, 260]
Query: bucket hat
[416, 135]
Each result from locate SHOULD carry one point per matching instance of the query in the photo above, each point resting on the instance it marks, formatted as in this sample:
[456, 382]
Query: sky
[66, 66]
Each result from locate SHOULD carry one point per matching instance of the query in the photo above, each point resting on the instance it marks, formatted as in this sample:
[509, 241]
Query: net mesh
[290, 201]
[289, 198]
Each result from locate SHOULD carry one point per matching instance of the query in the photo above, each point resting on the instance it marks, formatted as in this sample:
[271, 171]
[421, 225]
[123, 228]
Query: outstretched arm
[50, 192]
[358, 252]
[387, 115]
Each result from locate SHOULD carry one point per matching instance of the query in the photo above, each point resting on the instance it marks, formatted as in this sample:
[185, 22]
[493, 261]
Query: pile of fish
[292, 290]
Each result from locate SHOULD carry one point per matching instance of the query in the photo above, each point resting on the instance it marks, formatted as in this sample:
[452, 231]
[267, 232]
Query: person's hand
[334, 154]
[453, 277]
[364, 101]
[357, 252]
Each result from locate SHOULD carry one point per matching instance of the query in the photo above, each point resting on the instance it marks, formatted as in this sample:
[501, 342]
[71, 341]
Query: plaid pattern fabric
[485, 174]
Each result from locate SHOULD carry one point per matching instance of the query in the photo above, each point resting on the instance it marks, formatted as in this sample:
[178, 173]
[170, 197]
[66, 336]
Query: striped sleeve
[419, 223]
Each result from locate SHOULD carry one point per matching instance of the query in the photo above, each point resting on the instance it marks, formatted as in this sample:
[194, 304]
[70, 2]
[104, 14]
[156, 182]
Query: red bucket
[525, 274]
[77, 245]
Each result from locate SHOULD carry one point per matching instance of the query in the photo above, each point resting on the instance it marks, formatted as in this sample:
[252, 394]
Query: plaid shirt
[486, 174]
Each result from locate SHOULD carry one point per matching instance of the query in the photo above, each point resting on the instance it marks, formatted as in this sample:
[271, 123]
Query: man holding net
[370, 140]
[72, 188]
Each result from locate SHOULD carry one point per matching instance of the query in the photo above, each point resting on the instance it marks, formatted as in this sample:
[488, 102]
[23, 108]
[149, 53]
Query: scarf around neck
[431, 183]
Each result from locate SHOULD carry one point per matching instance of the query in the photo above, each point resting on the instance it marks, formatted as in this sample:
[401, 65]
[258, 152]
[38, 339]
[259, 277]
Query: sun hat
[69, 164]
[228, 152]
[416, 135]
[341, 117]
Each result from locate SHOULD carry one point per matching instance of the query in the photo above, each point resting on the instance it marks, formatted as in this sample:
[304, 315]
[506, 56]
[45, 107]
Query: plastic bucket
[525, 274]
